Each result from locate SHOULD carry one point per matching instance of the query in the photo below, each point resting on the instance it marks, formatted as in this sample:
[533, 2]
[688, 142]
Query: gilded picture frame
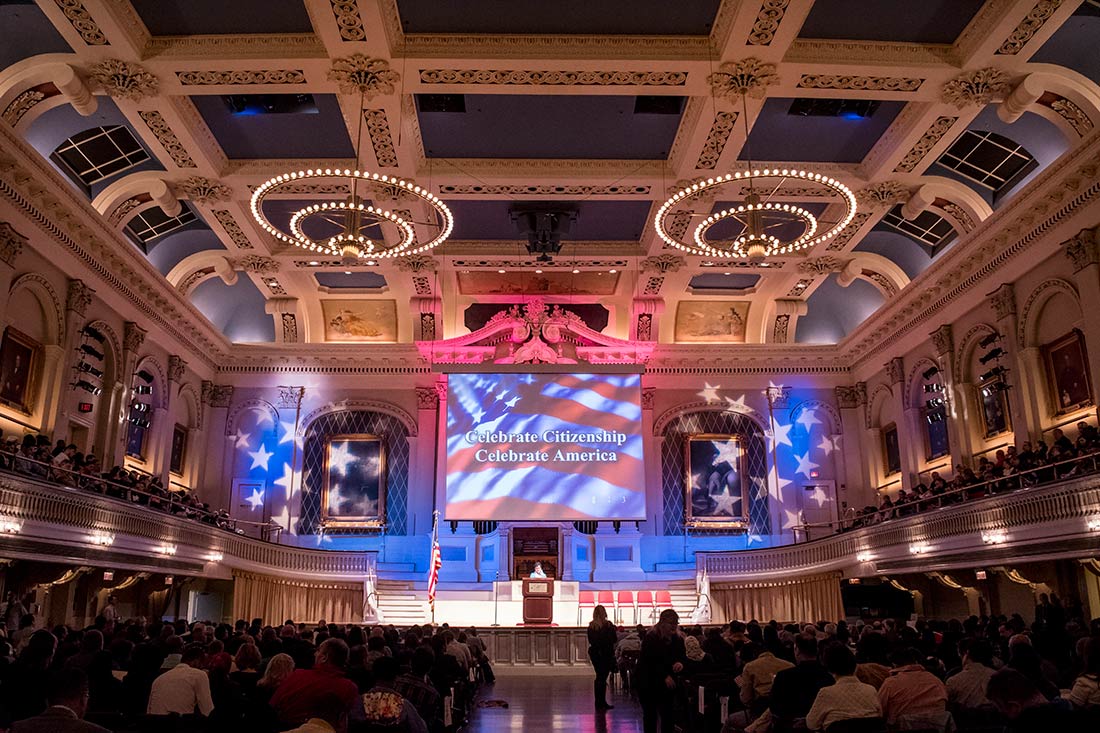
[715, 483]
[20, 358]
[1068, 377]
[354, 487]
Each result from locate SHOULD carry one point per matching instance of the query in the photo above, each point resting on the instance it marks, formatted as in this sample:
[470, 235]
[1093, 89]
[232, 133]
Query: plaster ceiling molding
[348, 20]
[767, 22]
[716, 140]
[232, 228]
[663, 263]
[882, 194]
[204, 190]
[1031, 24]
[367, 76]
[21, 105]
[957, 213]
[554, 77]
[705, 195]
[256, 264]
[124, 80]
[378, 128]
[167, 138]
[747, 77]
[240, 77]
[861, 83]
[927, 141]
[1071, 113]
[535, 189]
[416, 264]
[123, 210]
[822, 265]
[841, 240]
[977, 87]
[82, 22]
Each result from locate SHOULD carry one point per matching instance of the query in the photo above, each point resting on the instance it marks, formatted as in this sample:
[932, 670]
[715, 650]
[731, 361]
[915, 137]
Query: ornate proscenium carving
[822, 265]
[124, 79]
[204, 190]
[257, 264]
[663, 263]
[885, 193]
[359, 73]
[749, 77]
[980, 86]
[416, 263]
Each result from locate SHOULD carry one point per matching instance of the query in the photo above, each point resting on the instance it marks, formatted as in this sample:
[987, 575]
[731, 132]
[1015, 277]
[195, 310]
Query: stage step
[401, 604]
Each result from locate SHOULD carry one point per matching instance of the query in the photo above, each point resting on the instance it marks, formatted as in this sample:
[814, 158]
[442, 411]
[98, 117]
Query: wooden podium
[538, 600]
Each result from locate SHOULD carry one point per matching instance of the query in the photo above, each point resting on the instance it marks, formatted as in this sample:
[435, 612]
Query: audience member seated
[68, 700]
[301, 692]
[327, 714]
[757, 677]
[912, 697]
[1029, 711]
[385, 708]
[966, 688]
[847, 698]
[416, 687]
[184, 689]
[795, 689]
[1086, 688]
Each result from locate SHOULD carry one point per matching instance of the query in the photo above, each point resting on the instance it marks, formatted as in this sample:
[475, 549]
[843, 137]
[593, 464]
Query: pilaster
[1083, 251]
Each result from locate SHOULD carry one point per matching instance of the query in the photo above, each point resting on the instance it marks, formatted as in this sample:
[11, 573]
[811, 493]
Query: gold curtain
[809, 599]
[277, 599]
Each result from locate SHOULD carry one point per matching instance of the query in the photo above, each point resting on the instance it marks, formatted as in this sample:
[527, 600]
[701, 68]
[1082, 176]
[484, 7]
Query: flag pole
[433, 571]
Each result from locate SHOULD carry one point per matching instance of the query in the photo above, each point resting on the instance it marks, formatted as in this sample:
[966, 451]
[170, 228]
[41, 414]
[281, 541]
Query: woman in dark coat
[601, 650]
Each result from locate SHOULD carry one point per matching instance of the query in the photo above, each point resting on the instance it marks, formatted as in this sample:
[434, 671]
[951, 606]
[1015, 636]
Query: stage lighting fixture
[987, 341]
[139, 422]
[144, 376]
[930, 372]
[934, 417]
[140, 407]
[995, 372]
[89, 369]
[143, 389]
[88, 386]
[93, 334]
[91, 351]
[996, 353]
[934, 403]
[994, 388]
[937, 387]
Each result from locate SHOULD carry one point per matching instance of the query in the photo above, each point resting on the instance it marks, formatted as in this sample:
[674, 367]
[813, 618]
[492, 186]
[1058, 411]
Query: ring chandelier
[757, 216]
[352, 242]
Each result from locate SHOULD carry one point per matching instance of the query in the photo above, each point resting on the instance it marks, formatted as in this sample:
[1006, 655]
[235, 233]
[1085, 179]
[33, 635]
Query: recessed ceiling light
[612, 270]
[371, 263]
[347, 272]
[576, 271]
[727, 273]
[313, 263]
[538, 272]
[501, 271]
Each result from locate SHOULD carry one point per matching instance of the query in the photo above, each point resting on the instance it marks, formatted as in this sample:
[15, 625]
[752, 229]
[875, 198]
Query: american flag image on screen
[544, 447]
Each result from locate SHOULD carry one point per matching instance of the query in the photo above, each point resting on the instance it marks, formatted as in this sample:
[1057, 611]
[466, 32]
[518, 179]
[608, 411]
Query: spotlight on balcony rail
[89, 369]
[139, 406]
[930, 372]
[988, 341]
[143, 389]
[994, 373]
[88, 386]
[139, 421]
[91, 351]
[936, 387]
[144, 376]
[996, 353]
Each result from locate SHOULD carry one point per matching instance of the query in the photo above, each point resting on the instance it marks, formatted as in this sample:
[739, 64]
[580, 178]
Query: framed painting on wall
[19, 357]
[711, 321]
[179, 449]
[360, 320]
[354, 492]
[715, 481]
[994, 403]
[891, 450]
[936, 440]
[1067, 366]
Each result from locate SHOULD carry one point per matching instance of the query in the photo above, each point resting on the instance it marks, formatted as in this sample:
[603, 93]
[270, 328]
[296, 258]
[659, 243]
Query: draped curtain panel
[276, 600]
[812, 599]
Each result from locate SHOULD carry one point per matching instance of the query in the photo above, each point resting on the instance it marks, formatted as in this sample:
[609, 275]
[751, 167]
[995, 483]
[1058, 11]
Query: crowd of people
[60, 463]
[137, 676]
[1010, 469]
[981, 674]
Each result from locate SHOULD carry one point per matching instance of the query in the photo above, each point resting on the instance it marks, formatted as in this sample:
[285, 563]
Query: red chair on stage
[625, 599]
[606, 599]
[663, 600]
[586, 599]
[645, 600]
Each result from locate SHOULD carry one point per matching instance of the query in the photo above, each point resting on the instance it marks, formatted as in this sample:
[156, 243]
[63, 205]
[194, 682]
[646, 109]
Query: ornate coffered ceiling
[547, 101]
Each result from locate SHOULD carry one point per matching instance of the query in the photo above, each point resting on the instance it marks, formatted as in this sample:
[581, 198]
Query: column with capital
[958, 435]
[426, 471]
[852, 470]
[163, 433]
[220, 447]
[779, 398]
[133, 337]
[1083, 251]
[910, 439]
[1025, 378]
[59, 396]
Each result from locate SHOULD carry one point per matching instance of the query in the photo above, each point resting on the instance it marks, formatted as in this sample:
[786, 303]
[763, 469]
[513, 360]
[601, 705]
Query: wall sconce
[995, 537]
[919, 548]
[167, 549]
[103, 539]
[863, 557]
[215, 557]
[10, 526]
[1093, 524]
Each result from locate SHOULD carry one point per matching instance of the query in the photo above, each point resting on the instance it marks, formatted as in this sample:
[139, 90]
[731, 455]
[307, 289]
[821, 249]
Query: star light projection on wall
[800, 442]
[264, 450]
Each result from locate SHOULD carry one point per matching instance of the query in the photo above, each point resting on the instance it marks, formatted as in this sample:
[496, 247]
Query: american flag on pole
[433, 572]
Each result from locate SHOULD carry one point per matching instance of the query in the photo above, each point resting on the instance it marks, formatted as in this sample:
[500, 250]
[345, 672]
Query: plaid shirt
[422, 694]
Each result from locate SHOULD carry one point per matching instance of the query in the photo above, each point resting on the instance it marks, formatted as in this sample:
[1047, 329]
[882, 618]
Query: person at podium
[538, 572]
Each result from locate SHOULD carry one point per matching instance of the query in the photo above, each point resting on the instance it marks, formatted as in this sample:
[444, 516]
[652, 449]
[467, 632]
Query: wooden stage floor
[555, 702]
